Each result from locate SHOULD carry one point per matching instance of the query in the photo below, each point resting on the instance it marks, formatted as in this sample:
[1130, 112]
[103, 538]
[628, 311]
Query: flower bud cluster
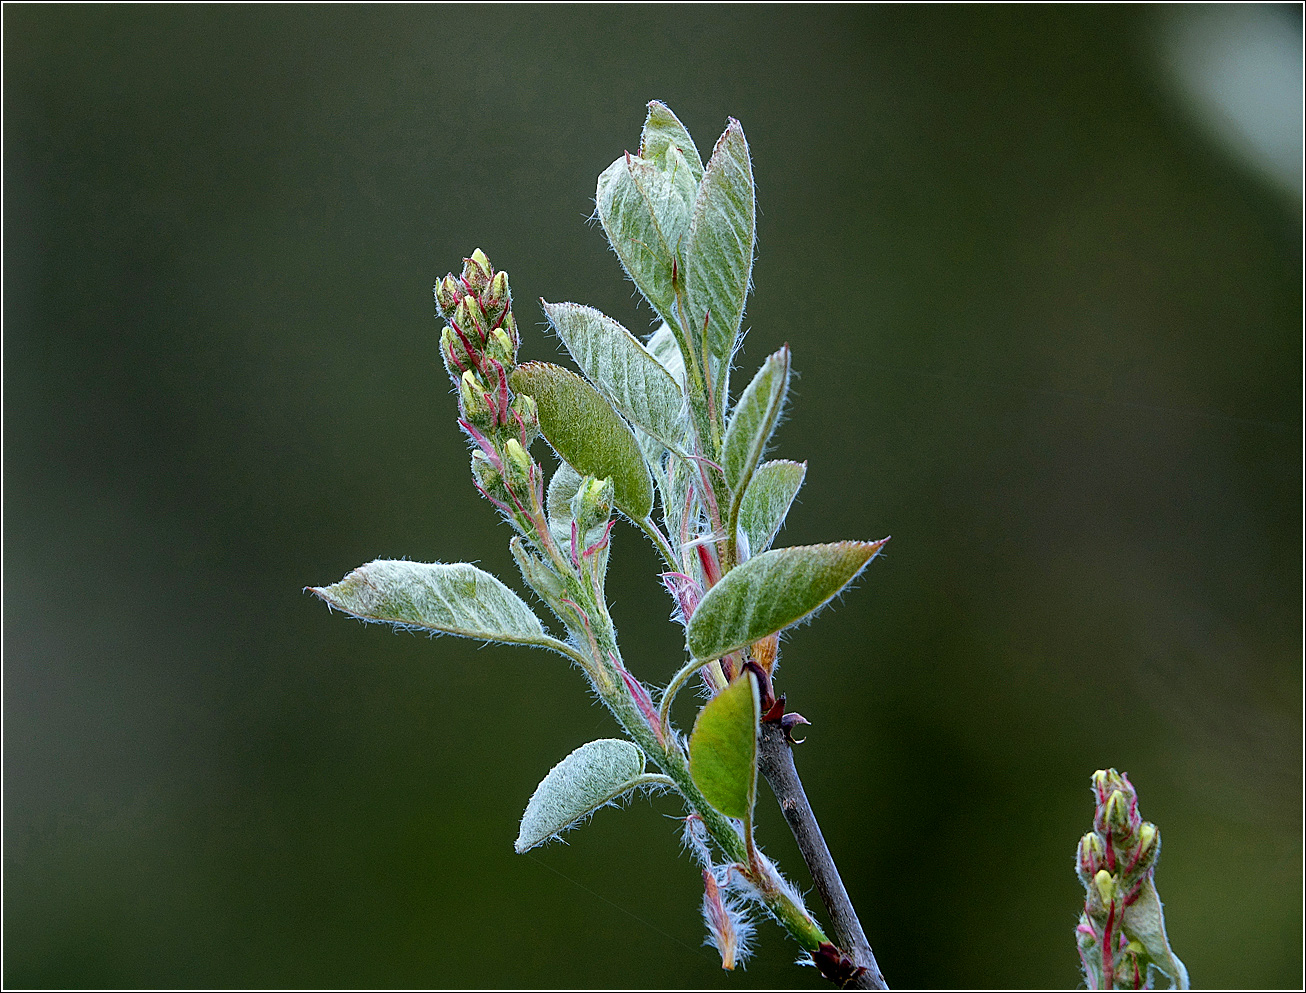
[1114, 862]
[479, 347]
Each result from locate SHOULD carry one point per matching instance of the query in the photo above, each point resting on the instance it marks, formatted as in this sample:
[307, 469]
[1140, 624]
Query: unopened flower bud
[483, 471]
[530, 416]
[1091, 855]
[1117, 814]
[475, 318]
[498, 296]
[592, 504]
[477, 271]
[456, 359]
[1106, 886]
[475, 409]
[499, 347]
[447, 294]
[463, 318]
[518, 463]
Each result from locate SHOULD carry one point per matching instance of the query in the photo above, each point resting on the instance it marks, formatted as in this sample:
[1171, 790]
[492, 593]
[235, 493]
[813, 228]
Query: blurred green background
[1047, 319]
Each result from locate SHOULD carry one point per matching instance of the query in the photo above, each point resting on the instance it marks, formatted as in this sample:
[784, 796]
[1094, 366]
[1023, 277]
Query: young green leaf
[663, 130]
[452, 598]
[723, 748]
[754, 420]
[1145, 924]
[719, 246]
[767, 499]
[586, 432]
[591, 777]
[771, 591]
[562, 487]
[622, 370]
[645, 208]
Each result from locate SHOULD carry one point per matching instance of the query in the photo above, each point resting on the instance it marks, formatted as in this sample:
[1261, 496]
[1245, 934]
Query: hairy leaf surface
[622, 369]
[767, 501]
[587, 432]
[719, 246]
[723, 747]
[663, 130]
[589, 778]
[754, 419]
[645, 208]
[453, 598]
[771, 591]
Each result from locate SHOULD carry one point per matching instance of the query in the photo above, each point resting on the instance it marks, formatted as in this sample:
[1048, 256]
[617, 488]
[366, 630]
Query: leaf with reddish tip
[452, 598]
[587, 433]
[771, 591]
[723, 748]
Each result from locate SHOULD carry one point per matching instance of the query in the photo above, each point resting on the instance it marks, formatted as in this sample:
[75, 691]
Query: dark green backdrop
[1048, 337]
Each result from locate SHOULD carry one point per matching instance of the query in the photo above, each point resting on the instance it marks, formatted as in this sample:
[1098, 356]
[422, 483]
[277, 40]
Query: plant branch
[777, 765]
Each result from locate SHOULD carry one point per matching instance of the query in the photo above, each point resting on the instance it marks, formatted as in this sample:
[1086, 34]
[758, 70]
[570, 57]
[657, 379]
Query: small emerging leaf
[767, 501]
[587, 433]
[453, 598]
[719, 246]
[562, 487]
[723, 747]
[754, 419]
[589, 778]
[622, 370]
[663, 130]
[771, 591]
[662, 345]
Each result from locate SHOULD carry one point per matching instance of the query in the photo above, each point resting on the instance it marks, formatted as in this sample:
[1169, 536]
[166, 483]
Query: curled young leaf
[771, 591]
[588, 433]
[719, 246]
[1145, 923]
[767, 500]
[622, 369]
[591, 777]
[452, 598]
[723, 747]
[754, 419]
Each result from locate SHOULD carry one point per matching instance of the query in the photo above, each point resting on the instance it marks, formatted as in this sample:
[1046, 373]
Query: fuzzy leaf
[767, 501]
[645, 208]
[622, 370]
[772, 591]
[754, 419]
[562, 487]
[719, 246]
[453, 598]
[662, 345]
[723, 747]
[587, 433]
[589, 778]
[1145, 924]
[663, 130]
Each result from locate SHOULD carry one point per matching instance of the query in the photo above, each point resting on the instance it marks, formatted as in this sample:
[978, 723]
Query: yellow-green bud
[518, 463]
[475, 409]
[592, 504]
[453, 353]
[477, 271]
[1106, 886]
[529, 413]
[1146, 835]
[498, 295]
[462, 317]
[475, 318]
[499, 347]
[1091, 855]
[447, 293]
[1117, 813]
